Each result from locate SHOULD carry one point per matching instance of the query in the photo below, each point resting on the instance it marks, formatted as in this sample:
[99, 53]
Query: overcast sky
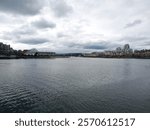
[75, 25]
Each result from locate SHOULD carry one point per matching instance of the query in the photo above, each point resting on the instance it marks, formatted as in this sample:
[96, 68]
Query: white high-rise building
[127, 49]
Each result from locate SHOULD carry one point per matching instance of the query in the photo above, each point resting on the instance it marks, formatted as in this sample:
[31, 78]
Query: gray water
[75, 85]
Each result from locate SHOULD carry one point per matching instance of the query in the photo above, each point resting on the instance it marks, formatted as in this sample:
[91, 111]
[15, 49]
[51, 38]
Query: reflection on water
[75, 85]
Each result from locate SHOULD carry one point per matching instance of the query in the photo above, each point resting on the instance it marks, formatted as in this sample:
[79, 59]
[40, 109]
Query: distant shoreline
[32, 57]
[53, 57]
[125, 52]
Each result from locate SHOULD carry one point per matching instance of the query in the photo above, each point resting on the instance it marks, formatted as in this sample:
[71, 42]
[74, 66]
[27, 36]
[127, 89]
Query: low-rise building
[45, 53]
[31, 52]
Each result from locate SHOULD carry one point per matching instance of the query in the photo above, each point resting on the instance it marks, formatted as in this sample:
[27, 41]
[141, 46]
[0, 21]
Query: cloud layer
[33, 41]
[24, 7]
[134, 23]
[42, 23]
[75, 25]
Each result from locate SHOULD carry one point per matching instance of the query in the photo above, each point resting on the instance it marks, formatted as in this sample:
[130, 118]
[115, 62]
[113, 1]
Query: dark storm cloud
[25, 7]
[42, 23]
[134, 23]
[60, 8]
[33, 41]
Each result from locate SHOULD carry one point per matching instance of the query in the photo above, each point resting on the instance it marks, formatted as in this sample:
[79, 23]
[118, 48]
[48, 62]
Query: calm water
[75, 85]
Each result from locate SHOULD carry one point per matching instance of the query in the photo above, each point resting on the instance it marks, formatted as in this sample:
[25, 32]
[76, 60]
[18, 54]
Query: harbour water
[75, 85]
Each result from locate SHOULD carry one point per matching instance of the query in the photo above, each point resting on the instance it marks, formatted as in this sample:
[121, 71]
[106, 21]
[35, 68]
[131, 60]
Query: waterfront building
[31, 52]
[118, 50]
[45, 53]
[5, 49]
[142, 53]
[35, 52]
[127, 49]
[109, 53]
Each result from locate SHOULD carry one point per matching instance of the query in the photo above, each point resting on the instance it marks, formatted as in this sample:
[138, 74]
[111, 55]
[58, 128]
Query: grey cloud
[96, 47]
[24, 30]
[147, 43]
[16, 33]
[42, 23]
[62, 35]
[73, 45]
[134, 23]
[25, 7]
[5, 37]
[60, 7]
[134, 38]
[33, 41]
[99, 45]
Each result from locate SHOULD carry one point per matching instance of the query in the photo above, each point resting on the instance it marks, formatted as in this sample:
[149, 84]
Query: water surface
[75, 85]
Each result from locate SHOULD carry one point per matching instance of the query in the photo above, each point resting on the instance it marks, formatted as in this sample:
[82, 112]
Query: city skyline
[75, 26]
